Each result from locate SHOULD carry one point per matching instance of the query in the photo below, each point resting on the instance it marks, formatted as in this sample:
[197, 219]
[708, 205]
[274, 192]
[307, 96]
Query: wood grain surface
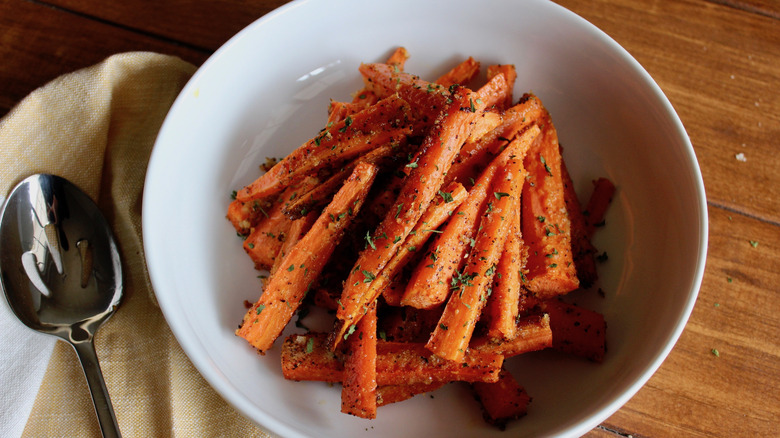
[718, 61]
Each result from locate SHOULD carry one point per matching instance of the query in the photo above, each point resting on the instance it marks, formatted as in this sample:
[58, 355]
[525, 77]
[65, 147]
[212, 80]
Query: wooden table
[718, 61]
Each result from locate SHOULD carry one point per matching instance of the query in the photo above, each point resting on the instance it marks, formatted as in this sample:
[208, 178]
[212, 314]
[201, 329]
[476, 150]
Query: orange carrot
[501, 310]
[383, 123]
[358, 391]
[533, 333]
[603, 189]
[319, 195]
[437, 213]
[452, 335]
[545, 225]
[266, 319]
[502, 401]
[462, 74]
[426, 99]
[307, 357]
[298, 229]
[266, 238]
[474, 156]
[398, 58]
[510, 74]
[576, 330]
[388, 394]
[424, 181]
[584, 252]
[496, 91]
[365, 97]
[429, 284]
[486, 122]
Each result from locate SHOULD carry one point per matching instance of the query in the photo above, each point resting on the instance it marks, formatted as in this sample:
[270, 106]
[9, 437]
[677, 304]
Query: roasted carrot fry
[474, 156]
[576, 330]
[452, 335]
[398, 58]
[584, 252]
[599, 201]
[383, 123]
[358, 391]
[486, 122]
[502, 401]
[388, 394]
[545, 225]
[307, 357]
[298, 229]
[424, 181]
[438, 211]
[495, 92]
[533, 333]
[266, 319]
[501, 310]
[321, 193]
[407, 324]
[462, 74]
[338, 111]
[510, 74]
[427, 99]
[365, 97]
[430, 282]
[266, 238]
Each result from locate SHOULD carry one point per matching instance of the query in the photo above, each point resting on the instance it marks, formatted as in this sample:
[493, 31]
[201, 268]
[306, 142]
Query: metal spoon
[60, 271]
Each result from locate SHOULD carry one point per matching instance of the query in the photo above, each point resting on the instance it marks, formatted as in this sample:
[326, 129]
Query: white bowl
[266, 91]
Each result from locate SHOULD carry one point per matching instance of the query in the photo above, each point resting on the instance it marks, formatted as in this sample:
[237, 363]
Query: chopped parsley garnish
[447, 197]
[369, 276]
[500, 195]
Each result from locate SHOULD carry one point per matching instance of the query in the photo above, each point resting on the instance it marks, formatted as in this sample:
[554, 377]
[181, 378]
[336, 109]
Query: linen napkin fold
[96, 127]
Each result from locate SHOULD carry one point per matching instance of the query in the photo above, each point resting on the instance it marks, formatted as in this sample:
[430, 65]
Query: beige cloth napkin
[97, 127]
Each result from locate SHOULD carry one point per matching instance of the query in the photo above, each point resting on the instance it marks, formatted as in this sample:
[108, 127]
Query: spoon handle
[97, 388]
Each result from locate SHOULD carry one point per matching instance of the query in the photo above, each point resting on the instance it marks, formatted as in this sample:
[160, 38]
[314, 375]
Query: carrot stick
[485, 123]
[533, 333]
[462, 74]
[426, 99]
[502, 401]
[358, 391]
[307, 357]
[365, 97]
[438, 211]
[398, 58]
[474, 156]
[545, 224]
[298, 229]
[510, 74]
[424, 181]
[429, 284]
[266, 237]
[452, 335]
[603, 189]
[383, 123]
[321, 193]
[266, 319]
[501, 310]
[496, 91]
[388, 394]
[584, 252]
[576, 330]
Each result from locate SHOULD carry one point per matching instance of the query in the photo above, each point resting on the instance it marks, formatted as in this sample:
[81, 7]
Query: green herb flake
[500, 195]
[233, 194]
[447, 197]
[544, 162]
[715, 352]
[540, 219]
[350, 331]
[310, 346]
[259, 308]
[369, 240]
[290, 269]
[753, 243]
[369, 276]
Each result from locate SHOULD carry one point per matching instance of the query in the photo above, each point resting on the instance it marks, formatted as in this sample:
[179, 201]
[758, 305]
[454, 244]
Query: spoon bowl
[60, 271]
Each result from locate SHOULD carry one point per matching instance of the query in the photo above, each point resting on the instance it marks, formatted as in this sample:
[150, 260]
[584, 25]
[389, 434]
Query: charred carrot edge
[501, 310]
[389, 394]
[599, 202]
[358, 391]
[584, 252]
[424, 181]
[266, 319]
[306, 357]
[534, 333]
[266, 238]
[545, 225]
[462, 74]
[321, 193]
[438, 211]
[429, 284]
[576, 330]
[502, 401]
[383, 123]
[510, 74]
[474, 156]
[452, 335]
